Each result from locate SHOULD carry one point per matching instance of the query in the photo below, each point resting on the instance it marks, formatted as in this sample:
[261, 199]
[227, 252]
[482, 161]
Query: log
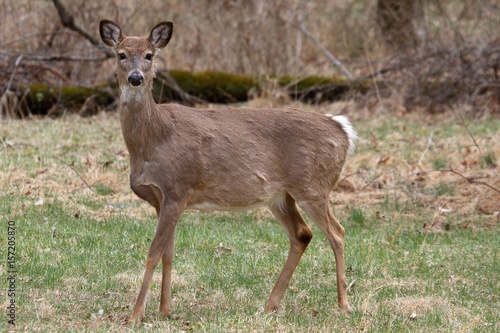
[208, 86]
[218, 87]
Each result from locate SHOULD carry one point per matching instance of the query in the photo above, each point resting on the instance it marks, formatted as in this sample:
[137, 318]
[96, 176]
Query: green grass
[76, 273]
[490, 159]
[82, 239]
[444, 189]
[103, 189]
[439, 163]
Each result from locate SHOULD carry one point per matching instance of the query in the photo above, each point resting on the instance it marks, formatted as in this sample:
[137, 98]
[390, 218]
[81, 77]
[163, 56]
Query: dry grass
[402, 158]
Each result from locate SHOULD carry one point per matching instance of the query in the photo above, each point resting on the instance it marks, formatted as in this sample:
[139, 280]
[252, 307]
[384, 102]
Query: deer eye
[122, 56]
[149, 56]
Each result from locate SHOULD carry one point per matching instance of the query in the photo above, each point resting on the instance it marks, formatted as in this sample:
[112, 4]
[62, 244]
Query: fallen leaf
[384, 159]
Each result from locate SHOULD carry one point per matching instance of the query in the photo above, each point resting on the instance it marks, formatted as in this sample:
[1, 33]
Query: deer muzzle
[135, 79]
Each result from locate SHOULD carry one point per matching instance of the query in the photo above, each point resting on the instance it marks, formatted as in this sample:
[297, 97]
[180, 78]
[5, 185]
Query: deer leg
[164, 234]
[300, 235]
[166, 280]
[330, 226]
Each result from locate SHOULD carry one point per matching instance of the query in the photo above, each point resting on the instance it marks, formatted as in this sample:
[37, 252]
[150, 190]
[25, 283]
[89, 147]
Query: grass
[82, 239]
[490, 159]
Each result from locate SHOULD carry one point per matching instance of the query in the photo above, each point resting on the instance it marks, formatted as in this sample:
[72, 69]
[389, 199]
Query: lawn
[421, 253]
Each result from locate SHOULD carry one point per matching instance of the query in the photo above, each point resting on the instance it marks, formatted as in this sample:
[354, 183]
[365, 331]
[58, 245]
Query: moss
[216, 87]
[41, 97]
[319, 89]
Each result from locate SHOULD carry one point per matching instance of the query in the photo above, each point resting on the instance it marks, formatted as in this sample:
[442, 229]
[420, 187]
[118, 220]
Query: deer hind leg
[161, 248]
[300, 235]
[319, 212]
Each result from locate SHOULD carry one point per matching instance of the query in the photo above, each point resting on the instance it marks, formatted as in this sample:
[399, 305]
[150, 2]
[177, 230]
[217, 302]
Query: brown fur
[227, 159]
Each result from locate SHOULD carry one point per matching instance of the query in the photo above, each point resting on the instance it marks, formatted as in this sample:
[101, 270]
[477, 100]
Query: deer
[228, 159]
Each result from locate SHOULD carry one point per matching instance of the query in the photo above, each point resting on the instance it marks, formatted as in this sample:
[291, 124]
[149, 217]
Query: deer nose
[135, 79]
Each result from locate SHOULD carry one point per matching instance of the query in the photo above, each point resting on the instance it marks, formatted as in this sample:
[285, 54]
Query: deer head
[135, 55]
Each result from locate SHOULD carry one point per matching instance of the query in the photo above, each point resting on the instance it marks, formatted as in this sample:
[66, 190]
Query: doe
[232, 159]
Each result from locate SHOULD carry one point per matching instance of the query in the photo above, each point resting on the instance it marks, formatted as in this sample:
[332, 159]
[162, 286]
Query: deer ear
[161, 34]
[110, 32]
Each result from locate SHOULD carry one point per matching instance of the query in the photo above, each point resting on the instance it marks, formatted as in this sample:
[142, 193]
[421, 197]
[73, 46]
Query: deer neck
[142, 121]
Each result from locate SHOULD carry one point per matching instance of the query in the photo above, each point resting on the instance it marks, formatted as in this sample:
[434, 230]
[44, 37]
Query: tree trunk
[400, 22]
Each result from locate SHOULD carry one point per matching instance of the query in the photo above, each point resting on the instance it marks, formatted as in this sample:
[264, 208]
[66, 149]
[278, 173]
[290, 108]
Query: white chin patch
[130, 93]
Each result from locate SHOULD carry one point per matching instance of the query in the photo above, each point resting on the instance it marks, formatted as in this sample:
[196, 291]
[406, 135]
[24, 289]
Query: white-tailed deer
[230, 159]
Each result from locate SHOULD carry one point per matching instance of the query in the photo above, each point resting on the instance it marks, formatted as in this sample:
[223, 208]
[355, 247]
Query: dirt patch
[489, 201]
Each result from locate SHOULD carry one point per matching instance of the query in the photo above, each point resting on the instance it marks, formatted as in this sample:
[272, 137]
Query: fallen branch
[37, 67]
[50, 57]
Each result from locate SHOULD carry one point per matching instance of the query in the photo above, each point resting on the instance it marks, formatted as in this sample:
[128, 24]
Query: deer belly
[210, 207]
[277, 199]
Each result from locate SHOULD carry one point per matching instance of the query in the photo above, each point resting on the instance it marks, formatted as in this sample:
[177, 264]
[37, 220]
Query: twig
[470, 134]
[172, 83]
[333, 60]
[16, 64]
[375, 83]
[436, 214]
[429, 144]
[351, 285]
[464, 124]
[77, 173]
[394, 237]
[364, 305]
[405, 63]
[371, 182]
[470, 180]
[476, 321]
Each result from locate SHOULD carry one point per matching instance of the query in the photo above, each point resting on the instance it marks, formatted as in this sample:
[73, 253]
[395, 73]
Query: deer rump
[238, 159]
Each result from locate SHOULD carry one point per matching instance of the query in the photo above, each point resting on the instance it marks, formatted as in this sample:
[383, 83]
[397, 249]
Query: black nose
[135, 79]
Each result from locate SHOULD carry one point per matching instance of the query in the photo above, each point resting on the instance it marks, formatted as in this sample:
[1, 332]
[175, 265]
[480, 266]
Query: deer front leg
[164, 235]
[166, 280]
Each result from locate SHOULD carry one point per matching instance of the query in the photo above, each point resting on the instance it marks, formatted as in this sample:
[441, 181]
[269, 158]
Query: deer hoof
[136, 317]
[345, 308]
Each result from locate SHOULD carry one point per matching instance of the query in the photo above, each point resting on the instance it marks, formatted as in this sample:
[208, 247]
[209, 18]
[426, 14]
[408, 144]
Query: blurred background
[429, 55]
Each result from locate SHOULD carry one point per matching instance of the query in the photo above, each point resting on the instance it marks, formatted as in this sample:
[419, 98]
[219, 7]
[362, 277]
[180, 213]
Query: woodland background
[426, 55]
